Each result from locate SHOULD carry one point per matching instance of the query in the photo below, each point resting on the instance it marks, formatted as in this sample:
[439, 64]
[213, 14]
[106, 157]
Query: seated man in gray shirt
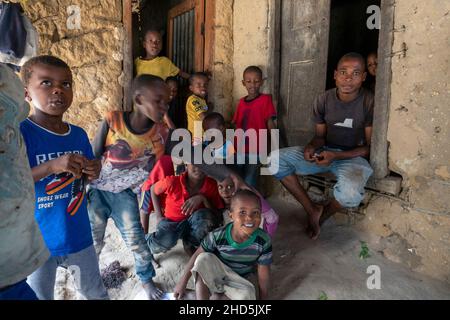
[341, 145]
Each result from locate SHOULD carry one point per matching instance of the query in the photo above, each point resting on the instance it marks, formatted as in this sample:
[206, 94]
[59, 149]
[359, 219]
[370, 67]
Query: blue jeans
[248, 171]
[83, 266]
[19, 291]
[191, 230]
[123, 208]
[351, 174]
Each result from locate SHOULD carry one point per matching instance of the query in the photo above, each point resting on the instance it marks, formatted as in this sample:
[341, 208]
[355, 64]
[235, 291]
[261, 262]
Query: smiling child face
[245, 212]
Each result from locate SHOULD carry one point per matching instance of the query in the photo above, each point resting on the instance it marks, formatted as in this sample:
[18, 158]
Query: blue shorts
[351, 174]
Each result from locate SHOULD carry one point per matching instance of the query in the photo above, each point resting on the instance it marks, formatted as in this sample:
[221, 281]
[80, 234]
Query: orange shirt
[175, 192]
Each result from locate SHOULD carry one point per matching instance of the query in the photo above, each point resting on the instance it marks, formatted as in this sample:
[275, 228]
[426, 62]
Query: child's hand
[308, 153]
[180, 290]
[191, 204]
[92, 169]
[72, 163]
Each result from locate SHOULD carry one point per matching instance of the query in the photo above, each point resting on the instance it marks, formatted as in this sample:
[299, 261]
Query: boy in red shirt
[255, 111]
[189, 212]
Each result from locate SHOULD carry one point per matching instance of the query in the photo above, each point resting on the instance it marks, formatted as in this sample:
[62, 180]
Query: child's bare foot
[325, 215]
[314, 222]
[152, 291]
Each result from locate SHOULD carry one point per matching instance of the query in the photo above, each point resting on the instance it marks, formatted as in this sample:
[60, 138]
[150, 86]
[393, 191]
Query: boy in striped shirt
[229, 255]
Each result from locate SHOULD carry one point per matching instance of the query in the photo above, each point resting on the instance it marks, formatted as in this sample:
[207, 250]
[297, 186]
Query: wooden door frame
[204, 26]
[379, 145]
[127, 20]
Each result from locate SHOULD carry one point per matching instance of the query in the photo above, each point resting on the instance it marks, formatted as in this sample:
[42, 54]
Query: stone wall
[93, 51]
[417, 231]
[221, 89]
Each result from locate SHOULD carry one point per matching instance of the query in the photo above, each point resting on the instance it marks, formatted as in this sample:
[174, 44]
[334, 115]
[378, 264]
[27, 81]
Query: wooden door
[304, 53]
[190, 34]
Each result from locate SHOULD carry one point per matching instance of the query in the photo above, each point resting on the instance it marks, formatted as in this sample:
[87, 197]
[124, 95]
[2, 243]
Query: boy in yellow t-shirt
[154, 64]
[196, 107]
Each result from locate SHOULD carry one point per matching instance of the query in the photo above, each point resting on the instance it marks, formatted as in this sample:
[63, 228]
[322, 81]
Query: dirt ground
[329, 268]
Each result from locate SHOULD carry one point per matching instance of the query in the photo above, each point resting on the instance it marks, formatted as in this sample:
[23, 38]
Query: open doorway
[349, 33]
[153, 15]
[313, 35]
[187, 34]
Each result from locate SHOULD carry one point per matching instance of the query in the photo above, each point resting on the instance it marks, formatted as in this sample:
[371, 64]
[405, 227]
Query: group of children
[80, 186]
[225, 227]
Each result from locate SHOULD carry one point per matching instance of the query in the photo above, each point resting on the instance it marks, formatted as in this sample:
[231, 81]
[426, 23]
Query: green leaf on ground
[364, 253]
[322, 296]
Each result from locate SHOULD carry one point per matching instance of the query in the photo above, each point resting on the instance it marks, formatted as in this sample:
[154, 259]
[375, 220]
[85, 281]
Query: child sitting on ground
[229, 255]
[191, 200]
[152, 63]
[255, 111]
[269, 217]
[61, 162]
[196, 107]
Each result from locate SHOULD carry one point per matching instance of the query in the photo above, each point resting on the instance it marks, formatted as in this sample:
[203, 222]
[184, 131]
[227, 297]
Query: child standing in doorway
[154, 64]
[196, 106]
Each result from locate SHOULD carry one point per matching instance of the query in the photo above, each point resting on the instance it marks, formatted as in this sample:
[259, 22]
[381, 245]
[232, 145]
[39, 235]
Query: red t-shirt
[254, 115]
[176, 193]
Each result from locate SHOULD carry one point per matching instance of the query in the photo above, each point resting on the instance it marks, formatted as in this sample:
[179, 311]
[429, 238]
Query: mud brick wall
[88, 35]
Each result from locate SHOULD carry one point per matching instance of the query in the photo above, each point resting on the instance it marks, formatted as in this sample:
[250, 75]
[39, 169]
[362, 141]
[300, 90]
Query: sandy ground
[303, 269]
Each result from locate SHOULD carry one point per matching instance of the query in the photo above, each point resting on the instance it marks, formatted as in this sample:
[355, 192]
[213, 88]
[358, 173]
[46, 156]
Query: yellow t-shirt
[160, 66]
[195, 106]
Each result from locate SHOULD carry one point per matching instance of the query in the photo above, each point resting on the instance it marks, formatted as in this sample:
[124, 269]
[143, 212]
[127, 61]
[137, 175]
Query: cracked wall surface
[93, 51]
[221, 89]
[417, 231]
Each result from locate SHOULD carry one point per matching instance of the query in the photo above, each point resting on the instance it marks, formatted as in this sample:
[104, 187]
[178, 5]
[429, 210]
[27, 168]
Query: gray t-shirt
[22, 248]
[346, 122]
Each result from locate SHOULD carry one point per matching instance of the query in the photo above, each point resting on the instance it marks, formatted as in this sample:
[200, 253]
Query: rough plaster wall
[421, 90]
[417, 232]
[222, 83]
[251, 41]
[94, 53]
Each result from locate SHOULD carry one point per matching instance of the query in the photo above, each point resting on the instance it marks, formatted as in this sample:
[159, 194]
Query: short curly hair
[254, 69]
[244, 193]
[27, 69]
[145, 81]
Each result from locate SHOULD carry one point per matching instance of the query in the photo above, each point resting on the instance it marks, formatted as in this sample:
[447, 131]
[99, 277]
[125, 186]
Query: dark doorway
[349, 32]
[151, 14]
[187, 31]
[314, 34]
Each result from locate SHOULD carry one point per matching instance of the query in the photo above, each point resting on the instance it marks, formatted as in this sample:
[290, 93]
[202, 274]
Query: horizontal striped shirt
[240, 257]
